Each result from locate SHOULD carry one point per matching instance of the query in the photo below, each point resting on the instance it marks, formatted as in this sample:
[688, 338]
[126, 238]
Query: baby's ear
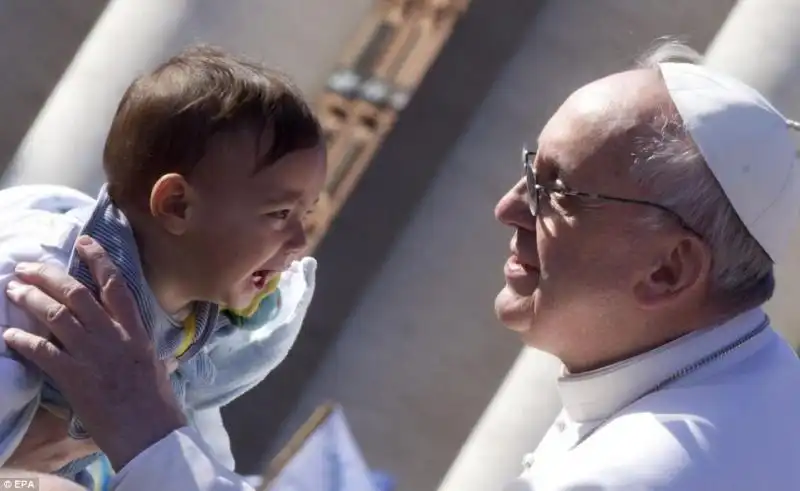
[171, 202]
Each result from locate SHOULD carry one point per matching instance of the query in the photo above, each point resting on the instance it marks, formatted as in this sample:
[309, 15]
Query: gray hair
[741, 271]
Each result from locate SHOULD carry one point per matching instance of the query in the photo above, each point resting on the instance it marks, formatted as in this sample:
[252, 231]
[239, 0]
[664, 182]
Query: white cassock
[729, 420]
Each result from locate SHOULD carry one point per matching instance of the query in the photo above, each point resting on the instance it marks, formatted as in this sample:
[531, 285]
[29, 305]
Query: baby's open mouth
[261, 277]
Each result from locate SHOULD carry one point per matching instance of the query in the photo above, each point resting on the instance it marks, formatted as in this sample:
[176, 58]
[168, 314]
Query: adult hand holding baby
[105, 365]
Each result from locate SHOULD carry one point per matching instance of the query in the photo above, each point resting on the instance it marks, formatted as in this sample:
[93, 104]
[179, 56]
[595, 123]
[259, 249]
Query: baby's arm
[244, 357]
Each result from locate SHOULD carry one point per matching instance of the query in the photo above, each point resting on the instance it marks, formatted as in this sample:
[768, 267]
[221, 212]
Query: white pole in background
[760, 45]
[519, 414]
[64, 144]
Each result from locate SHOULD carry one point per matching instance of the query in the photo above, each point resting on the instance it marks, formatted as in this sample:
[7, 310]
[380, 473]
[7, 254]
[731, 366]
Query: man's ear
[683, 267]
[171, 200]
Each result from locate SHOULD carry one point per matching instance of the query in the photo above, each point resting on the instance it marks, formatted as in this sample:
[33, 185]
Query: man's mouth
[515, 268]
[521, 277]
[520, 262]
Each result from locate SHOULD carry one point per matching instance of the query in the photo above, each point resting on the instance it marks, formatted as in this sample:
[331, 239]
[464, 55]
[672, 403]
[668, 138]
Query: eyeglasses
[536, 191]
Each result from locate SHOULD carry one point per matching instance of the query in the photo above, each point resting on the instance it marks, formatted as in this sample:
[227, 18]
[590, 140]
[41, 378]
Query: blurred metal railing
[377, 75]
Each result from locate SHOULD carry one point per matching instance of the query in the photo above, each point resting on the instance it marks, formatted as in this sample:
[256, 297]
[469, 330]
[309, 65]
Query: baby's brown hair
[166, 118]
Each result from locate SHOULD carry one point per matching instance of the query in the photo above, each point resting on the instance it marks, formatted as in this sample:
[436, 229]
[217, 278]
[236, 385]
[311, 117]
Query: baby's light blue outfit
[223, 360]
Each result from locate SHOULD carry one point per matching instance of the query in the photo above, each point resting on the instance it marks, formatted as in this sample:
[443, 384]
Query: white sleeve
[34, 227]
[181, 461]
[211, 428]
[20, 383]
[20, 387]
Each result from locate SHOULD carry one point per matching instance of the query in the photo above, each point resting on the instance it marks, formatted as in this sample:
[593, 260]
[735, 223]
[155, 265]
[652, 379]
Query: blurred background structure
[426, 104]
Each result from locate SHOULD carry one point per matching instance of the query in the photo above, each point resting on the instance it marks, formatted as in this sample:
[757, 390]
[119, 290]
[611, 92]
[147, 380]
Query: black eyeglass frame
[536, 191]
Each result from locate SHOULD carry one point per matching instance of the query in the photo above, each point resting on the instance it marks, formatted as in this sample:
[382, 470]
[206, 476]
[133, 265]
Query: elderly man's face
[582, 260]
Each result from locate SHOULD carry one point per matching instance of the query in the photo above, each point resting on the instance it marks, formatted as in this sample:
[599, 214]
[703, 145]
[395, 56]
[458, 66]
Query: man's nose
[514, 210]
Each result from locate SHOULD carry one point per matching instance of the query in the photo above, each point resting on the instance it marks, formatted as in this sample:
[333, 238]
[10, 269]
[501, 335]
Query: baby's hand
[47, 447]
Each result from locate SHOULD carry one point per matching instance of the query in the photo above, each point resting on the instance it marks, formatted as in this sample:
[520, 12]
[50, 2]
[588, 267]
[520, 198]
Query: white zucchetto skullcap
[748, 146]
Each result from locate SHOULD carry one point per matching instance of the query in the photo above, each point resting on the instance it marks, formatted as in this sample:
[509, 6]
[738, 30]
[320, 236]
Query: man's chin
[513, 310]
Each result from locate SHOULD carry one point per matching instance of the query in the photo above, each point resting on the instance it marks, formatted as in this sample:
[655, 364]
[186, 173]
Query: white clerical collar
[599, 394]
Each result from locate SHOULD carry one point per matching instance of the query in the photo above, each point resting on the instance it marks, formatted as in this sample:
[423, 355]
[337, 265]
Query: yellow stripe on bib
[189, 330]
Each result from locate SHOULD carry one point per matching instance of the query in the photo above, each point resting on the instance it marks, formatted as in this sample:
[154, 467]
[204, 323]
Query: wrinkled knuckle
[95, 255]
[75, 293]
[55, 313]
[39, 347]
[41, 269]
[114, 283]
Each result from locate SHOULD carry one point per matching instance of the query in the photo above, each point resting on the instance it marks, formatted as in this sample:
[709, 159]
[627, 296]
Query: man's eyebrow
[551, 165]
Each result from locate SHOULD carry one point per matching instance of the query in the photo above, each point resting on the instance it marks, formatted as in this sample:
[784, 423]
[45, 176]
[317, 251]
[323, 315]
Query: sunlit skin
[585, 280]
[223, 233]
[203, 238]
